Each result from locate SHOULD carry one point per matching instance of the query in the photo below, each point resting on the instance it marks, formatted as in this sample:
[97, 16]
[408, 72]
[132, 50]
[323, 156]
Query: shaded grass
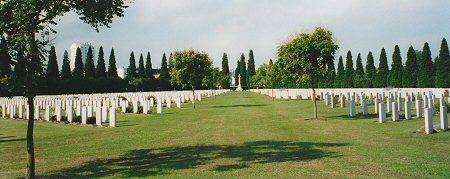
[239, 134]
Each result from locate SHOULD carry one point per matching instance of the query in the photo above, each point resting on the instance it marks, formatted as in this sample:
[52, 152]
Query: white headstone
[83, 115]
[444, 118]
[395, 115]
[428, 120]
[98, 116]
[112, 117]
[381, 112]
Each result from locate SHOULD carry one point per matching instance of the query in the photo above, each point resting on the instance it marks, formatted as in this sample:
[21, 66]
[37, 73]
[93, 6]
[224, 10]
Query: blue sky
[236, 26]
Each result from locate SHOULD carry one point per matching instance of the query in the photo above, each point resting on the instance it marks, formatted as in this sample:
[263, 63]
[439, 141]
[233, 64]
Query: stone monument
[239, 88]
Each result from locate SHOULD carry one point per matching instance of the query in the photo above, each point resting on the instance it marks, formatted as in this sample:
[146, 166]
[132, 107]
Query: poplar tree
[371, 72]
[331, 73]
[78, 70]
[410, 70]
[251, 64]
[383, 70]
[237, 72]
[443, 66]
[148, 67]
[359, 73]
[243, 71]
[349, 71]
[132, 67]
[338, 81]
[5, 62]
[89, 68]
[395, 75]
[225, 68]
[101, 67]
[52, 73]
[112, 69]
[141, 68]
[164, 73]
[65, 69]
[426, 73]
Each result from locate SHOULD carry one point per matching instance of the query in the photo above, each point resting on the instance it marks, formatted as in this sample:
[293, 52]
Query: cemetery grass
[239, 134]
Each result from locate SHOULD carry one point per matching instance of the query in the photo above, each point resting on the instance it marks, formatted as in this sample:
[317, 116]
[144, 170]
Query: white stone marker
[159, 106]
[444, 118]
[112, 117]
[352, 108]
[3, 111]
[407, 108]
[89, 111]
[98, 116]
[399, 102]
[47, 113]
[418, 107]
[333, 101]
[135, 107]
[395, 116]
[342, 101]
[152, 102]
[69, 113]
[58, 112]
[389, 104]
[376, 104]
[364, 107]
[381, 112]
[169, 103]
[124, 107]
[178, 102]
[104, 114]
[21, 108]
[145, 107]
[36, 113]
[83, 115]
[428, 120]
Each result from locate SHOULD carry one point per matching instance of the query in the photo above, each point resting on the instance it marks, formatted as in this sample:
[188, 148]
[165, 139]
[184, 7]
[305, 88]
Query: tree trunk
[193, 94]
[30, 96]
[315, 103]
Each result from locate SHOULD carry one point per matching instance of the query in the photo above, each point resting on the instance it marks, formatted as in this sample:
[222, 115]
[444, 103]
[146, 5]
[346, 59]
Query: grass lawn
[239, 134]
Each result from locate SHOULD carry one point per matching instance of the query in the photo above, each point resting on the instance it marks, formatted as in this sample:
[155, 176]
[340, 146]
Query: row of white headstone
[395, 98]
[104, 106]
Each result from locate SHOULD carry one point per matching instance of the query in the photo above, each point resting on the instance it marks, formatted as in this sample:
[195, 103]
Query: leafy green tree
[131, 71]
[78, 71]
[237, 72]
[260, 80]
[19, 74]
[191, 69]
[425, 73]
[383, 70]
[243, 72]
[65, 70]
[309, 51]
[101, 67]
[396, 72]
[141, 68]
[410, 70]
[25, 19]
[148, 67]
[331, 73]
[359, 73]
[112, 69]
[371, 72]
[52, 73]
[225, 78]
[339, 80]
[5, 62]
[443, 66]
[89, 68]
[349, 71]
[164, 73]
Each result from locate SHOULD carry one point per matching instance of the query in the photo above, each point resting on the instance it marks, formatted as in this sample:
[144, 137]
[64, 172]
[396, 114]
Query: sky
[236, 26]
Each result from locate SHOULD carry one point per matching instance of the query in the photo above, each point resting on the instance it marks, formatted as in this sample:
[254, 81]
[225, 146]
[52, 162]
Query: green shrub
[77, 119]
[91, 120]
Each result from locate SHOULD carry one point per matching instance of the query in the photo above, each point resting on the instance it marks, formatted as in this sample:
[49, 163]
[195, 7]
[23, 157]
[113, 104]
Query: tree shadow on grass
[162, 161]
[4, 139]
[239, 105]
[358, 116]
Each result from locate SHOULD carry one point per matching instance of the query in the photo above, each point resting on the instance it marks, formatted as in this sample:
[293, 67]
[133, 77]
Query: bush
[437, 106]
[77, 119]
[53, 118]
[91, 120]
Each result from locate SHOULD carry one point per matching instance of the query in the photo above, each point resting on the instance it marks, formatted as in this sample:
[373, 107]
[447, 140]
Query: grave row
[384, 101]
[82, 107]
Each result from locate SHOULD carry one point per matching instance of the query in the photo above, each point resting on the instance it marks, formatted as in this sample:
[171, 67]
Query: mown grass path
[239, 134]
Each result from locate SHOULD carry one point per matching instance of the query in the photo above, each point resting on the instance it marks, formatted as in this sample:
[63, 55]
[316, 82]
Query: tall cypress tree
[89, 68]
[52, 73]
[19, 72]
[349, 71]
[225, 68]
[78, 70]
[5, 62]
[164, 72]
[148, 67]
[243, 71]
[359, 73]
[331, 73]
[237, 72]
[383, 70]
[410, 70]
[251, 64]
[395, 75]
[339, 80]
[141, 68]
[112, 69]
[101, 67]
[371, 72]
[132, 67]
[443, 66]
[426, 69]
[65, 70]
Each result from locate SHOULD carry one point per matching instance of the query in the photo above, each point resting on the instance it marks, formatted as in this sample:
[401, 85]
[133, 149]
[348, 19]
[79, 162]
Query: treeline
[418, 71]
